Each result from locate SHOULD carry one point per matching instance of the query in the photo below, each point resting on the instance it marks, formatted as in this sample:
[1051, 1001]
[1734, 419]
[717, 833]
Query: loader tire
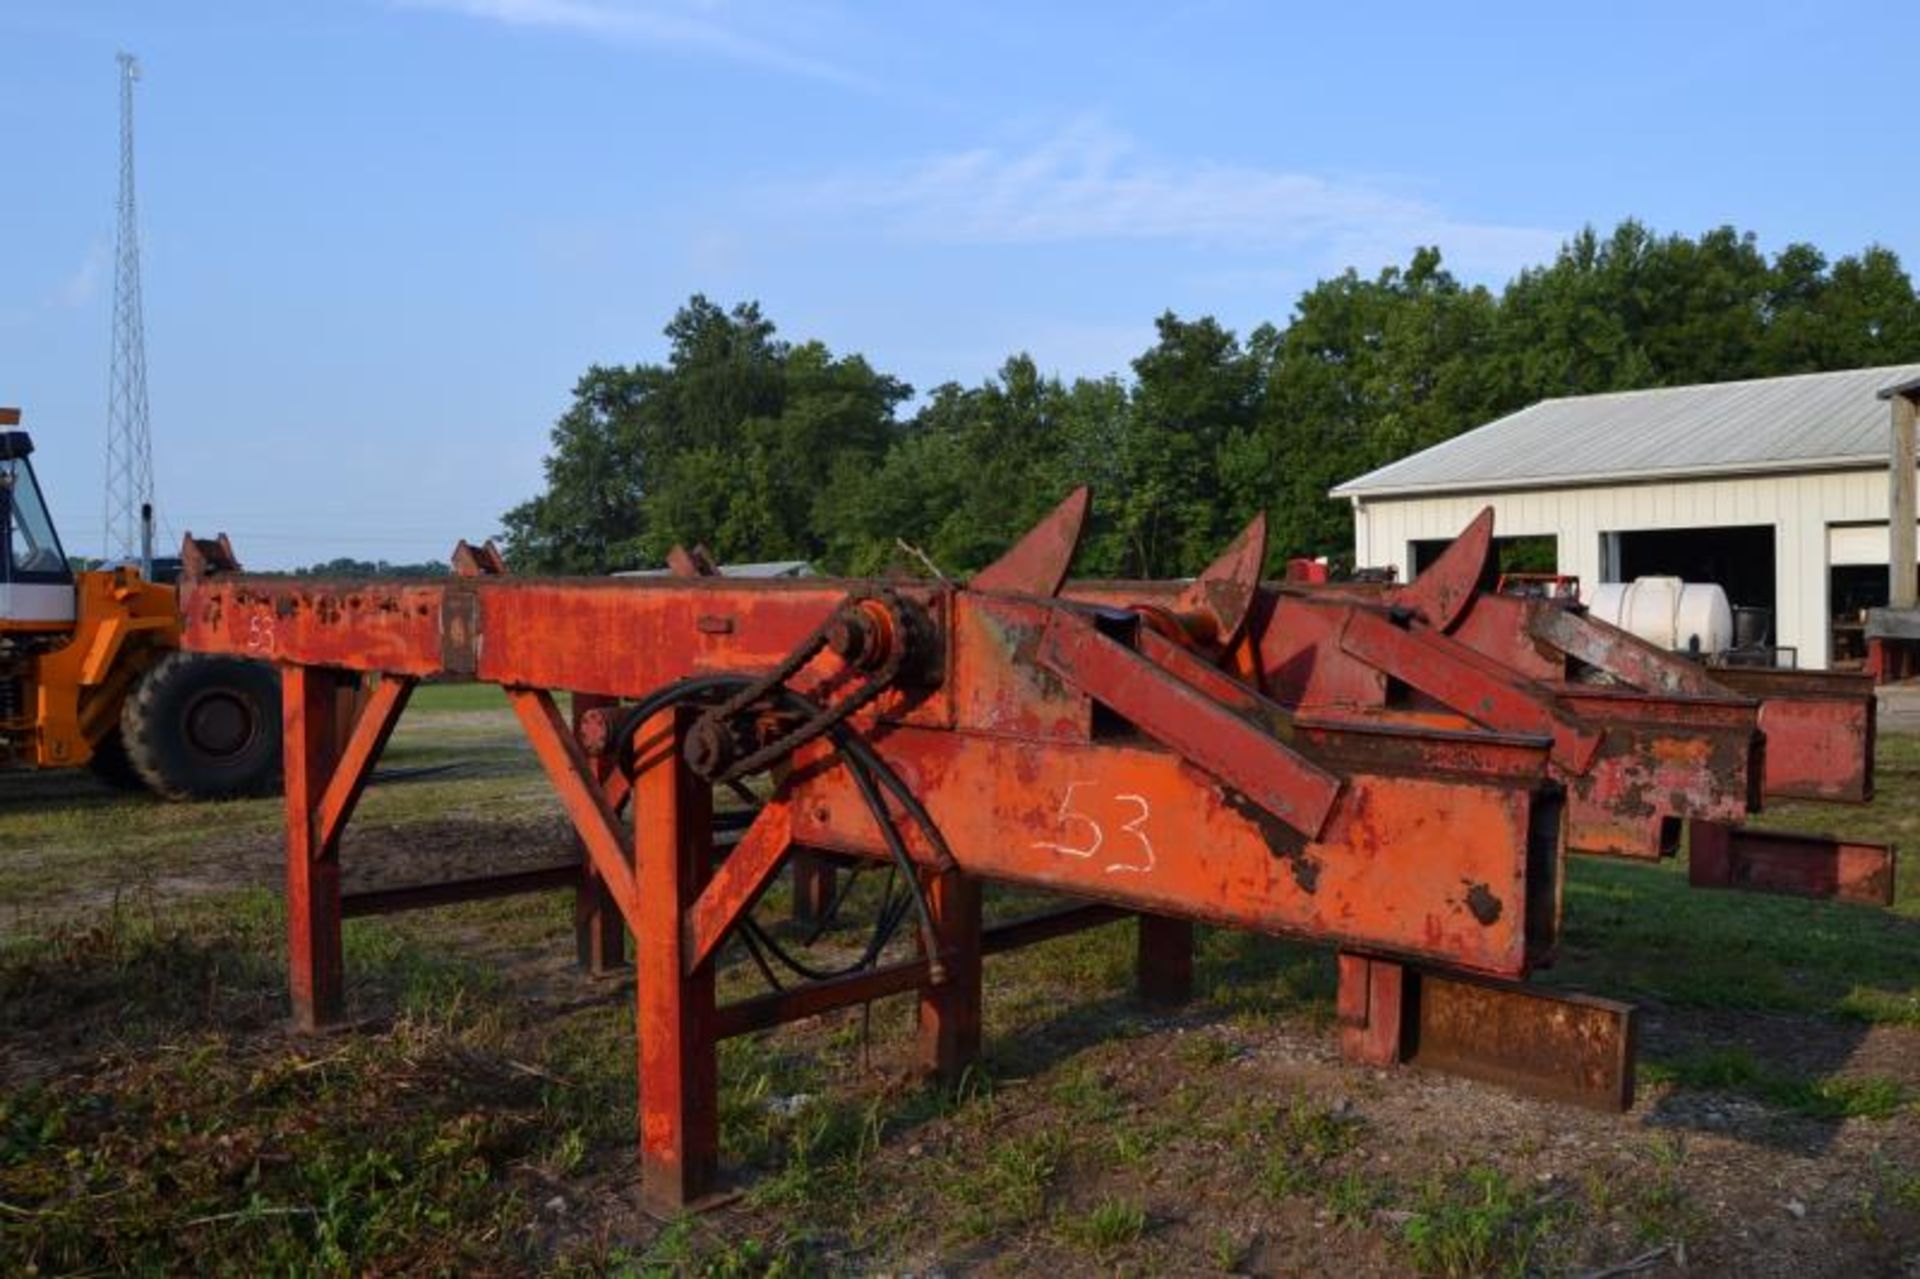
[111, 765]
[205, 727]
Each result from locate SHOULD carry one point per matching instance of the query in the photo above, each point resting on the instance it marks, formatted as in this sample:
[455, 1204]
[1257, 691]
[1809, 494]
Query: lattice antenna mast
[129, 497]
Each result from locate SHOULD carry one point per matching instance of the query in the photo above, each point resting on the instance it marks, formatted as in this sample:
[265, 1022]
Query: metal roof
[1807, 421]
[757, 568]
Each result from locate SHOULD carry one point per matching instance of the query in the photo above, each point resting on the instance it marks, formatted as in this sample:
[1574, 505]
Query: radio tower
[129, 500]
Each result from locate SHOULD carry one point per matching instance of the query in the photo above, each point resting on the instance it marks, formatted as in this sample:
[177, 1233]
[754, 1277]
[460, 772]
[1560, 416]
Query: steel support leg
[813, 887]
[679, 1076]
[950, 1008]
[1164, 960]
[600, 935]
[1565, 1047]
[1371, 1004]
[1721, 855]
[310, 699]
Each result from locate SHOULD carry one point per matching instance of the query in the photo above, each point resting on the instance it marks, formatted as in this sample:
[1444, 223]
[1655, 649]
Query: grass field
[156, 1118]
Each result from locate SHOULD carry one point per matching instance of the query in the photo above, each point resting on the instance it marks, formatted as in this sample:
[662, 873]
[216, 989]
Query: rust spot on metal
[709, 624]
[1282, 840]
[1483, 905]
[1570, 1048]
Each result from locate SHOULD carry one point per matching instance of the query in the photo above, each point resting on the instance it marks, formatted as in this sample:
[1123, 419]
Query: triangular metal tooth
[697, 562]
[1440, 595]
[1038, 562]
[204, 557]
[483, 560]
[1224, 592]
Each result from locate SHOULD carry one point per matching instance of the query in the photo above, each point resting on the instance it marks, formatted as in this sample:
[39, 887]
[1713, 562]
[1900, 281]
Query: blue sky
[383, 237]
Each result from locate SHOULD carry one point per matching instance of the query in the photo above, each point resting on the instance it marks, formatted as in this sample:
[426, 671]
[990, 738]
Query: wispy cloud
[81, 285]
[1089, 182]
[691, 28]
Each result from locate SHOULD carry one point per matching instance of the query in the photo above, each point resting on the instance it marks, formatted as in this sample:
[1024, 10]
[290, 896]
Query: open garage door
[1856, 581]
[1739, 557]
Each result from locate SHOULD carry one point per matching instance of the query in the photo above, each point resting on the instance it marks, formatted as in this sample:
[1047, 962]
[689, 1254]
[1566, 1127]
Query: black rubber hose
[864, 763]
[892, 910]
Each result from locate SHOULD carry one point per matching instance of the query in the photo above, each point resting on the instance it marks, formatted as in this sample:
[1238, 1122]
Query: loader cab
[36, 585]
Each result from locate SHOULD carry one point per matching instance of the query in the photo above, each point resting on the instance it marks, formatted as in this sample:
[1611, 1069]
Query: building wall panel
[1800, 507]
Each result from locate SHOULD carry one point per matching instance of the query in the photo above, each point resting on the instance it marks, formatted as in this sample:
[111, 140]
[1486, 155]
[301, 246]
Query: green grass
[444, 698]
[1479, 1223]
[1110, 1225]
[63, 828]
[1737, 1070]
[1010, 1190]
[222, 1147]
[1639, 931]
[1299, 1143]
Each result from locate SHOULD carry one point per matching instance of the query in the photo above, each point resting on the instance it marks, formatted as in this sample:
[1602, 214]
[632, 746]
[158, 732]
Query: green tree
[972, 471]
[591, 517]
[1196, 393]
[761, 449]
[1368, 370]
[729, 443]
[346, 566]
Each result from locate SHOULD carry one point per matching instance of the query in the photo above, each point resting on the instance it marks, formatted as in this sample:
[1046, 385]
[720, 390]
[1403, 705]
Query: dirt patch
[386, 856]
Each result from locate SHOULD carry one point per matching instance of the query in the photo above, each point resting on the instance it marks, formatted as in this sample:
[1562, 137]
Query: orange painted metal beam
[567, 769]
[1446, 867]
[315, 980]
[1208, 735]
[950, 1012]
[674, 1012]
[1460, 678]
[737, 882]
[371, 730]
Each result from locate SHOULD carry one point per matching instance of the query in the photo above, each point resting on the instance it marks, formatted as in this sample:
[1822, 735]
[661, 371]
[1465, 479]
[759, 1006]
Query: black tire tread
[111, 764]
[162, 759]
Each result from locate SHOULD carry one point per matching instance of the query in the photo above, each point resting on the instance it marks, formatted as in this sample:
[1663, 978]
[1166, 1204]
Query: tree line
[760, 448]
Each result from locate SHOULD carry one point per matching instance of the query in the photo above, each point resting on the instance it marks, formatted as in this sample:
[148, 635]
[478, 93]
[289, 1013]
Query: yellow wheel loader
[91, 671]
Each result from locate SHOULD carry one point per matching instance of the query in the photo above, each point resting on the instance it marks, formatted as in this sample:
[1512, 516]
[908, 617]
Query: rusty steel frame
[1121, 750]
[1570, 1048]
[1645, 740]
[1790, 863]
[1635, 764]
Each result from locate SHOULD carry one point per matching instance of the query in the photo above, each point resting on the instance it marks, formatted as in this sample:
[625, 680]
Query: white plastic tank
[1686, 617]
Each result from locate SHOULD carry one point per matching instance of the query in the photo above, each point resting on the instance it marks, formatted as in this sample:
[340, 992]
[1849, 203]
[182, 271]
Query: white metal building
[1775, 488]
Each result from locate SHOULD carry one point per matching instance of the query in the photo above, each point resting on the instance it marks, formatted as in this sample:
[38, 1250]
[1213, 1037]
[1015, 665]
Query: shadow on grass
[1768, 998]
[1238, 976]
[64, 788]
[1641, 932]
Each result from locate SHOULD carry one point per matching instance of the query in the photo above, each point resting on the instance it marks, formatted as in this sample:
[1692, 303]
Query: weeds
[1352, 1199]
[1010, 1190]
[1478, 1224]
[1226, 1250]
[1304, 1139]
[1111, 1225]
[1204, 1050]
